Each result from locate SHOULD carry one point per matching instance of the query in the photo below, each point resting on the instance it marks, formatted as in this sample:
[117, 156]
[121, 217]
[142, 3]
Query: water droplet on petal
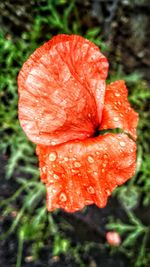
[66, 159]
[122, 143]
[105, 156]
[56, 176]
[77, 164]
[74, 171]
[117, 94]
[52, 156]
[104, 164]
[63, 197]
[54, 191]
[116, 119]
[95, 173]
[90, 159]
[53, 143]
[108, 192]
[44, 169]
[103, 170]
[90, 190]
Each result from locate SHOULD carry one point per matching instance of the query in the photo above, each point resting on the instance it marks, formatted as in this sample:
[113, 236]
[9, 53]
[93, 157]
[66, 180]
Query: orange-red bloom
[62, 105]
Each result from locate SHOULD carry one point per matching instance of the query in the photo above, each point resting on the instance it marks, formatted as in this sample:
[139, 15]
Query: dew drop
[54, 191]
[104, 164]
[103, 170]
[66, 159]
[90, 190]
[122, 143]
[56, 176]
[95, 173]
[117, 94]
[105, 156]
[53, 143]
[44, 169]
[90, 159]
[63, 197]
[116, 119]
[52, 156]
[74, 171]
[108, 192]
[77, 164]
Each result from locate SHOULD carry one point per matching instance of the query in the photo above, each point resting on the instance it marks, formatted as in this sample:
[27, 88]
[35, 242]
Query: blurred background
[31, 237]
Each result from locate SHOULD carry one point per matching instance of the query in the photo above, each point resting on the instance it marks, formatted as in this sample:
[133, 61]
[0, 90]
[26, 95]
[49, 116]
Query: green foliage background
[31, 221]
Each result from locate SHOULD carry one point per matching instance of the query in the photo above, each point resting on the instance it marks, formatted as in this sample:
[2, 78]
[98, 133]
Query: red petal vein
[61, 90]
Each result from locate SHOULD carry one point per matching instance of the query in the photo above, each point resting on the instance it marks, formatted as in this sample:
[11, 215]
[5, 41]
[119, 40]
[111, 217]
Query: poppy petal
[61, 90]
[117, 112]
[80, 173]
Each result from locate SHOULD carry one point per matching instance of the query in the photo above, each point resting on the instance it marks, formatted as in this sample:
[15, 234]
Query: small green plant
[133, 233]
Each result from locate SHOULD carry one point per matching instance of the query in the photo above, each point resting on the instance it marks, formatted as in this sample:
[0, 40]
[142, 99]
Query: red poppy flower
[62, 105]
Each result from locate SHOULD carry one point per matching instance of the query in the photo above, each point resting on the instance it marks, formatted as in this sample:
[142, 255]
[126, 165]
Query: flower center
[96, 132]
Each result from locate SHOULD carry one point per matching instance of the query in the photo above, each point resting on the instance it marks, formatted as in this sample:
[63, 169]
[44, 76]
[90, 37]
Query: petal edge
[117, 112]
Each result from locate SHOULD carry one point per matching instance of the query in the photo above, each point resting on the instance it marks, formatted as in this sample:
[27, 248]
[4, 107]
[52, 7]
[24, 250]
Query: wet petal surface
[80, 173]
[61, 90]
[117, 112]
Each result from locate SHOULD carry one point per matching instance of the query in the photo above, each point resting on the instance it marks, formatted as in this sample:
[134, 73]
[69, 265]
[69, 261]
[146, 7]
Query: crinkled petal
[80, 173]
[117, 112]
[61, 90]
